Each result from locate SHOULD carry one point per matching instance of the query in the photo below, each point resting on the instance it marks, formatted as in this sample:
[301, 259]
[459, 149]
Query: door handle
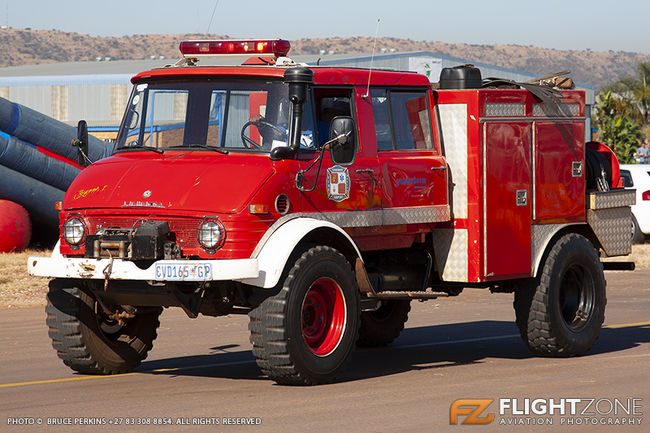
[443, 168]
[368, 174]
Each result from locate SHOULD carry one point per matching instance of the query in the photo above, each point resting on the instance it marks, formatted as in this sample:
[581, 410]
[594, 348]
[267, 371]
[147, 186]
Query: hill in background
[27, 47]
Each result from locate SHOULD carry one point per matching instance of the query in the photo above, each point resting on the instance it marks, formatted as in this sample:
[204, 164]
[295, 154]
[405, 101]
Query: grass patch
[17, 287]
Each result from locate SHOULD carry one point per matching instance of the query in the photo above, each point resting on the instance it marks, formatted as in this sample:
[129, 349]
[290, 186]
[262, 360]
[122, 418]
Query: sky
[597, 25]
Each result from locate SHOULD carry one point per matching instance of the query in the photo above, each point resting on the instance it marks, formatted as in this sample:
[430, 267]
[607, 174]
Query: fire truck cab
[320, 201]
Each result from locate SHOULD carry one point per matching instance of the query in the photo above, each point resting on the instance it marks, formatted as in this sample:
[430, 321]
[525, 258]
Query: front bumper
[161, 270]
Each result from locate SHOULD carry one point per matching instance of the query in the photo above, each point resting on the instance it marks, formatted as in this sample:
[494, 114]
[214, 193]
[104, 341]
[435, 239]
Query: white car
[637, 176]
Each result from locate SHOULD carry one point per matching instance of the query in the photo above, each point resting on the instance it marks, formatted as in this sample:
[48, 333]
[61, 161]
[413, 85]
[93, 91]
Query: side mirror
[343, 148]
[81, 142]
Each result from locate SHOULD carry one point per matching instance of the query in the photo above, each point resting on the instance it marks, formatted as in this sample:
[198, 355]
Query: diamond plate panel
[613, 227]
[505, 110]
[612, 199]
[453, 119]
[366, 218]
[450, 247]
[540, 236]
[416, 215]
[542, 109]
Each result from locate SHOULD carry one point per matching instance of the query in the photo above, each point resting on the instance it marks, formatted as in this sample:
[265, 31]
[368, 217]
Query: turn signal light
[277, 48]
[58, 205]
[258, 209]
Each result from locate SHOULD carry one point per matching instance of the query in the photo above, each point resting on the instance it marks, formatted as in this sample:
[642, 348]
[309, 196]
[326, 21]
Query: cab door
[413, 173]
[350, 193]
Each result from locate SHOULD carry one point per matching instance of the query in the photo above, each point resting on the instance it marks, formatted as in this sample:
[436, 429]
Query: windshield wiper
[153, 149]
[202, 146]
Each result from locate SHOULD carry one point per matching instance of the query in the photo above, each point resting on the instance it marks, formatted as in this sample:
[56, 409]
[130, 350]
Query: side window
[307, 138]
[330, 103]
[380, 110]
[411, 121]
[402, 120]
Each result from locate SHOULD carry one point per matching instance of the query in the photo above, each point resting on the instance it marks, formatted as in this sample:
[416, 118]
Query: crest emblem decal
[338, 183]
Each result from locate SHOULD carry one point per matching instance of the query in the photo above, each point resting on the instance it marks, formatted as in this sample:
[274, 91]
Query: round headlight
[74, 231]
[211, 234]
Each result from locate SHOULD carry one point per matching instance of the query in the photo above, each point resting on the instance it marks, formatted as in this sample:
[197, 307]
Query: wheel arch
[544, 242]
[280, 242]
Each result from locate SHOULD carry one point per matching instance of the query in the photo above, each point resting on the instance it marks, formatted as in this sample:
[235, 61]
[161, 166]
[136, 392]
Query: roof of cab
[322, 75]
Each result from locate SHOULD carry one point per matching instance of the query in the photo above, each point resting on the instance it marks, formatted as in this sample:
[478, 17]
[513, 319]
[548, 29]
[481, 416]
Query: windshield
[241, 115]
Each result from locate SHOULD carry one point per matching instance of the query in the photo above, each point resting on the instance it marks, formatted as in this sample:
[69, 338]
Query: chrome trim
[501, 109]
[533, 158]
[543, 109]
[485, 240]
[530, 119]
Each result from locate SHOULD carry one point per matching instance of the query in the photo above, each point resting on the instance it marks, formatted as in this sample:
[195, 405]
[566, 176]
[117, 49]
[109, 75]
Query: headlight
[211, 234]
[74, 231]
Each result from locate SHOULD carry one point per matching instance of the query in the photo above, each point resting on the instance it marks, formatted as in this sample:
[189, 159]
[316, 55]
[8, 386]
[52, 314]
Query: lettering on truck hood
[193, 181]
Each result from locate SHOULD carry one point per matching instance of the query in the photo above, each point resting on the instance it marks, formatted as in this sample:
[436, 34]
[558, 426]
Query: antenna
[372, 59]
[213, 11]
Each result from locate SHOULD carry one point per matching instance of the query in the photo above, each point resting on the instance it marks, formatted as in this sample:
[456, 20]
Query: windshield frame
[209, 84]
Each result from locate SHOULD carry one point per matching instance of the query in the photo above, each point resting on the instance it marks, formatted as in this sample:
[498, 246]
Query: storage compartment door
[506, 200]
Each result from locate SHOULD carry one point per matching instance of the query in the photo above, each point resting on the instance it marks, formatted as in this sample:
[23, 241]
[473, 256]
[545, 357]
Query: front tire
[88, 342]
[561, 313]
[306, 333]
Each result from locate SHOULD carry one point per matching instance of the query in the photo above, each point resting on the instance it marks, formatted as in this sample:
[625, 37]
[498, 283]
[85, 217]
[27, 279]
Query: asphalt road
[202, 371]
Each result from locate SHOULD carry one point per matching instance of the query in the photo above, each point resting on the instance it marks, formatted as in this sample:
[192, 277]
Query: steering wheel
[249, 142]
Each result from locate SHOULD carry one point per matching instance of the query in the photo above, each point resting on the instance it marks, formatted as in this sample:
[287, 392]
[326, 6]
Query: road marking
[67, 379]
[135, 373]
[627, 325]
[226, 364]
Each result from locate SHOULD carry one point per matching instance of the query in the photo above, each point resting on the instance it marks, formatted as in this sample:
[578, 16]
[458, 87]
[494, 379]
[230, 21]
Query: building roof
[121, 71]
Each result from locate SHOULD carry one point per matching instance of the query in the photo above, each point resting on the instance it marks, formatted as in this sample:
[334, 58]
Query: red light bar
[278, 48]
[645, 196]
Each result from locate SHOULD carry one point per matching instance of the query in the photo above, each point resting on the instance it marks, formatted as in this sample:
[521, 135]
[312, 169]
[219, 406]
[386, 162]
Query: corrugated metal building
[98, 91]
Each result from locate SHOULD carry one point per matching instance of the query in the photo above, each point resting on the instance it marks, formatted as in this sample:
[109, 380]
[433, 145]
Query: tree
[617, 126]
[636, 91]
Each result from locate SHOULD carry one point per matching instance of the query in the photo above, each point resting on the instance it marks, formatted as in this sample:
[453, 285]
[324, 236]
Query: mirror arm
[301, 174]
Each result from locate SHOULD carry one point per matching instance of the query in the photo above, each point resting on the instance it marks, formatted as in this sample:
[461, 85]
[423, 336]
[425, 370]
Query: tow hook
[107, 272]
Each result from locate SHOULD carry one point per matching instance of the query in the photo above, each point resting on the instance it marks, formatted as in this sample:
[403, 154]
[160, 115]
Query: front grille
[184, 229]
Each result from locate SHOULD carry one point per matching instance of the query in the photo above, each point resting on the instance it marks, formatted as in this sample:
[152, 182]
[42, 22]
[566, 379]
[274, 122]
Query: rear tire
[306, 333]
[381, 327]
[90, 344]
[561, 313]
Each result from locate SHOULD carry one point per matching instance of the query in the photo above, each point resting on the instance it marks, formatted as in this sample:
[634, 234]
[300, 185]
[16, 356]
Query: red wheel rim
[323, 316]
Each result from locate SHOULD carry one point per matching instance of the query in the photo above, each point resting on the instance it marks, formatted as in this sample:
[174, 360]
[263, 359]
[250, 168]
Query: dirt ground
[18, 289]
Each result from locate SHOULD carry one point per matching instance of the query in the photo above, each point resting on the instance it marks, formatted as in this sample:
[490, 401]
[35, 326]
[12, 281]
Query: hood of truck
[207, 182]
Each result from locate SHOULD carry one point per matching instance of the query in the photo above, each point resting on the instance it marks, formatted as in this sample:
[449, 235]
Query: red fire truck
[320, 201]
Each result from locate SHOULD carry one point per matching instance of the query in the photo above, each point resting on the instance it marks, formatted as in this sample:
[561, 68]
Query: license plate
[174, 271]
